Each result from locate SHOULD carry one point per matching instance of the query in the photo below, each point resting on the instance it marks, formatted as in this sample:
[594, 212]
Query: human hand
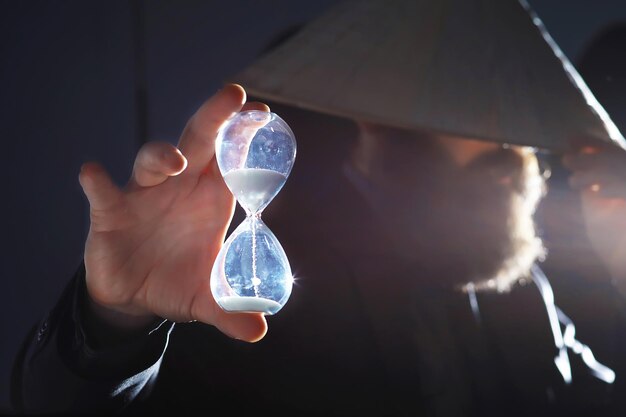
[599, 173]
[152, 244]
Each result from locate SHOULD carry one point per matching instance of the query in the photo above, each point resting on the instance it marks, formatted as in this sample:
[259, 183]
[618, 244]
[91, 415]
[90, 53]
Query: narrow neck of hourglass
[253, 221]
[253, 214]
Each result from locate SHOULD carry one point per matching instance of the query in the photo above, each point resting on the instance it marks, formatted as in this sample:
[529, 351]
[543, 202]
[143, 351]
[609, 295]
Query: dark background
[93, 80]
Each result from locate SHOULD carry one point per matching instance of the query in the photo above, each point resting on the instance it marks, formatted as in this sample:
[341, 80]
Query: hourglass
[255, 152]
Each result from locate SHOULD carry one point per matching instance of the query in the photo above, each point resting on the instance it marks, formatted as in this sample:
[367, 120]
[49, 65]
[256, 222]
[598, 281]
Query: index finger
[197, 142]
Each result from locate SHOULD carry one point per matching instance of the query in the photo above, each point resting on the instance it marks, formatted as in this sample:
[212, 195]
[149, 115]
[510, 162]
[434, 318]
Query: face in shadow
[460, 209]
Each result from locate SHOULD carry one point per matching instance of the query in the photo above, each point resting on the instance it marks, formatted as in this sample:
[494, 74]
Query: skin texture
[454, 198]
[151, 244]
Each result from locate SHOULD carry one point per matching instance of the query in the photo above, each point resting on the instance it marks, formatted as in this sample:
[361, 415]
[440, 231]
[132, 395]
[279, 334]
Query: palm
[151, 246]
[157, 247]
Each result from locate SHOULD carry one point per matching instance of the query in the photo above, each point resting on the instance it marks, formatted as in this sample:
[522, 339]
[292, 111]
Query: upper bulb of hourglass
[255, 153]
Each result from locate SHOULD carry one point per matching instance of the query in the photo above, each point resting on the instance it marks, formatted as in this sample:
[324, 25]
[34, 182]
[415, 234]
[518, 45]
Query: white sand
[249, 304]
[254, 188]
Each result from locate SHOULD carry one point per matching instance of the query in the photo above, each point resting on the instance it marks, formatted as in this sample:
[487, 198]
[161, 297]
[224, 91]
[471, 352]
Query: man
[388, 249]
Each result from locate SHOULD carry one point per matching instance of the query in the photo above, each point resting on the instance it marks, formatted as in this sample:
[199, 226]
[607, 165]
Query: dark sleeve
[59, 370]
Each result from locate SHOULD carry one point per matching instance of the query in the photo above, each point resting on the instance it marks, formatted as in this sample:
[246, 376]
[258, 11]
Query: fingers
[249, 327]
[197, 143]
[255, 105]
[242, 134]
[98, 187]
[155, 162]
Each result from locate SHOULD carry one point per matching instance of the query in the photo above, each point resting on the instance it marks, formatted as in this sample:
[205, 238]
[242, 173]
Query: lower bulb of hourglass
[251, 272]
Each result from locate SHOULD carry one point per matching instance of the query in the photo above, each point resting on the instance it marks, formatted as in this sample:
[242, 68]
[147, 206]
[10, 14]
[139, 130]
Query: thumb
[250, 327]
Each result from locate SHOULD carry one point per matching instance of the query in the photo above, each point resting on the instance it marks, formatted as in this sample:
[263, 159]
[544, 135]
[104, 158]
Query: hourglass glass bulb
[255, 152]
[251, 272]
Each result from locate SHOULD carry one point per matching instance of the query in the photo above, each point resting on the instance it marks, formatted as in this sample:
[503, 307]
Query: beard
[473, 224]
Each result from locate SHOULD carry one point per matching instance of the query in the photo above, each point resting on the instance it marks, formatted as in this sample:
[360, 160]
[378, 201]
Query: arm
[64, 365]
[147, 264]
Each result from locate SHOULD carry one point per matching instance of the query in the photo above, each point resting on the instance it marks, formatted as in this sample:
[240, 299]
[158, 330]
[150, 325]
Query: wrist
[106, 327]
[116, 318]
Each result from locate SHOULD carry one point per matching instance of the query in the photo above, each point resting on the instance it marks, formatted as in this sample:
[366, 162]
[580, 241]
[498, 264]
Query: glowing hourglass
[255, 152]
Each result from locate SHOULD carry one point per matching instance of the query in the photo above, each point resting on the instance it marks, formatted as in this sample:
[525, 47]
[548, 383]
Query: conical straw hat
[483, 69]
